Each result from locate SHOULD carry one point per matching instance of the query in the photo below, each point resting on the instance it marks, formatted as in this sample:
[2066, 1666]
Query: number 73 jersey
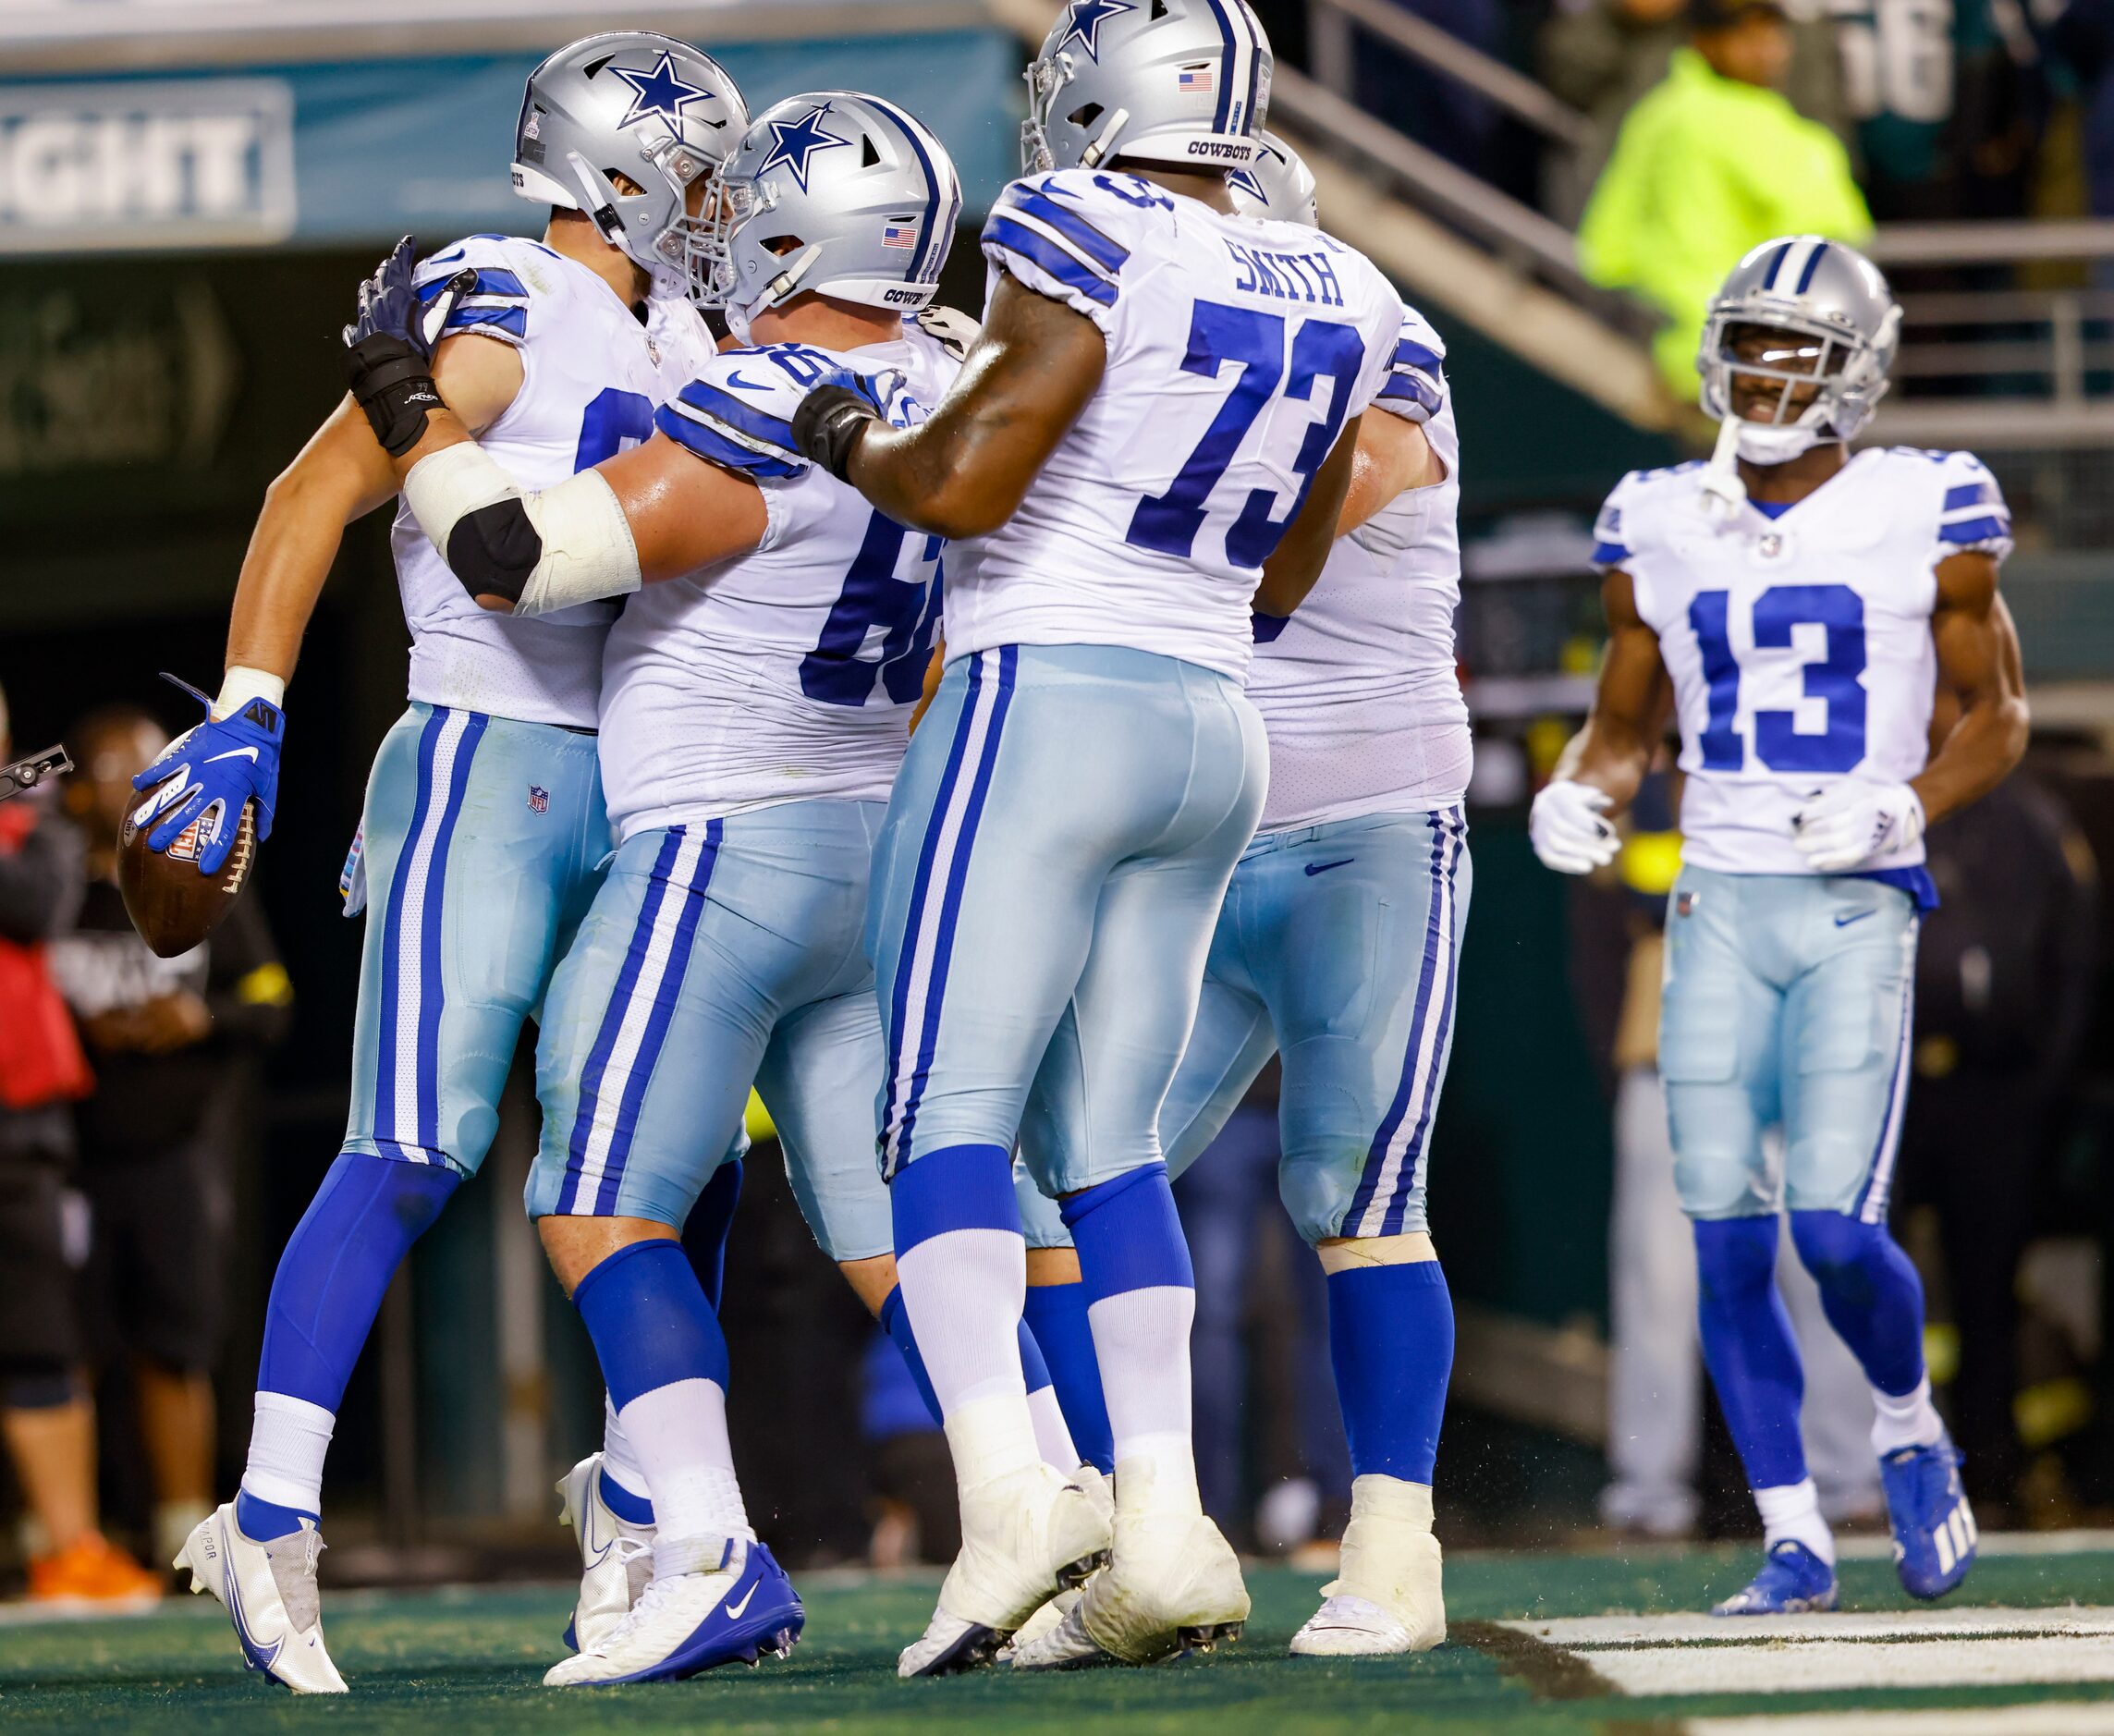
[1800, 646]
[1238, 348]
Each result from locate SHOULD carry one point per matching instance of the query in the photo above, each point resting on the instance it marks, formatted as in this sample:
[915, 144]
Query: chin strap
[1723, 492]
[1104, 140]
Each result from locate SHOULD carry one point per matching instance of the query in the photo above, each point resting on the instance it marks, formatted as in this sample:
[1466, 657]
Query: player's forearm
[939, 478]
[1610, 753]
[1294, 566]
[1989, 739]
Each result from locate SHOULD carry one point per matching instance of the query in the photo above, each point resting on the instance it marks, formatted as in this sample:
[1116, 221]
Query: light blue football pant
[482, 839]
[1339, 946]
[1056, 853]
[1788, 1002]
[718, 955]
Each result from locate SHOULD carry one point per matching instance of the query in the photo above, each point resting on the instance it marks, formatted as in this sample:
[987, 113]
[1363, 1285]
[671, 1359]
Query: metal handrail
[1511, 91]
[1992, 243]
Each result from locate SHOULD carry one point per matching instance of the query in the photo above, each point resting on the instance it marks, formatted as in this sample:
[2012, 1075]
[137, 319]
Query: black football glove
[389, 347]
[832, 417]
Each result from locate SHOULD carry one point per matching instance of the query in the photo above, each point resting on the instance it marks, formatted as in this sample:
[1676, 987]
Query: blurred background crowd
[188, 195]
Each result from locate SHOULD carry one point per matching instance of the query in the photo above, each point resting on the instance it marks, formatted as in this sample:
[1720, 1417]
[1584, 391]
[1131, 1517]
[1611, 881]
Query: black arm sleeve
[494, 549]
[247, 990]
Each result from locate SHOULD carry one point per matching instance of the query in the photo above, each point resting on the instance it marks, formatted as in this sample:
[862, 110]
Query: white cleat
[1025, 1536]
[1172, 1586]
[1041, 1625]
[1388, 1596]
[615, 1556]
[270, 1592]
[685, 1623]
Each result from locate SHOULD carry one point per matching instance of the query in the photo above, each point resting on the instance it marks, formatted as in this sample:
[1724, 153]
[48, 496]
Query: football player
[1159, 416]
[484, 825]
[1337, 950]
[1795, 607]
[754, 699]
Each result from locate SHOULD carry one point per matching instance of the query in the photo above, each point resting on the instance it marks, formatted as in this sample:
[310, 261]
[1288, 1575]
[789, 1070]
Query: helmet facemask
[1828, 378]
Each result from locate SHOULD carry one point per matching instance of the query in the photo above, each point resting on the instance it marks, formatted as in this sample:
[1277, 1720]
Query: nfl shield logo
[539, 799]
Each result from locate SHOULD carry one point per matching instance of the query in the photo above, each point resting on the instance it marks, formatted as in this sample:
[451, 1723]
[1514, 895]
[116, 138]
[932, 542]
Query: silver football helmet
[1841, 326]
[620, 126]
[1276, 184]
[1176, 81]
[843, 194]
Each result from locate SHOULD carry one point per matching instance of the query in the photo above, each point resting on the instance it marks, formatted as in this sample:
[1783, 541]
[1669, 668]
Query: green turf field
[470, 1660]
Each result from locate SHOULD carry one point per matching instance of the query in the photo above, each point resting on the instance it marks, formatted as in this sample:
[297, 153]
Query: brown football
[173, 905]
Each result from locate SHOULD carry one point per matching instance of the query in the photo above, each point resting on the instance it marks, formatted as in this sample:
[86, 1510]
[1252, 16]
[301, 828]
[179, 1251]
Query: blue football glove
[213, 770]
[832, 417]
[390, 347]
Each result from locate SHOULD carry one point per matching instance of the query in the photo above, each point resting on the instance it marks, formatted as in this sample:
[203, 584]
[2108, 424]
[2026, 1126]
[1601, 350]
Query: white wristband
[241, 685]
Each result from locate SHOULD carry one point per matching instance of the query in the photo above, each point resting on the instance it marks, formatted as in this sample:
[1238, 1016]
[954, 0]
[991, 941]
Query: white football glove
[1566, 827]
[1853, 822]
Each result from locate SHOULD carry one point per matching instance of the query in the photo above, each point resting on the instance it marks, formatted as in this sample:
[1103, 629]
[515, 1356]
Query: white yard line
[2045, 1719]
[1842, 1666]
[1594, 1632]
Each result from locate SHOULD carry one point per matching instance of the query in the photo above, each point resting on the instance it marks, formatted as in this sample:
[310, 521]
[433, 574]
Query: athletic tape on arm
[585, 553]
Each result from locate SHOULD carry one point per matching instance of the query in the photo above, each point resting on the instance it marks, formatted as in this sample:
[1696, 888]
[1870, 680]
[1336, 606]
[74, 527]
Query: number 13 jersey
[1238, 348]
[1800, 646]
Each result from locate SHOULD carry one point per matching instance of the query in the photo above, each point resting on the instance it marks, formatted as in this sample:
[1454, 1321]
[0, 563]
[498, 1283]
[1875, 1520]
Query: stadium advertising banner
[334, 153]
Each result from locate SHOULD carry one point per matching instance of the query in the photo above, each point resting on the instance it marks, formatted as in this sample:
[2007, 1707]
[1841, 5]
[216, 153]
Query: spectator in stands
[1436, 109]
[45, 1414]
[2005, 976]
[1712, 162]
[168, 1037]
[2080, 42]
[1602, 55]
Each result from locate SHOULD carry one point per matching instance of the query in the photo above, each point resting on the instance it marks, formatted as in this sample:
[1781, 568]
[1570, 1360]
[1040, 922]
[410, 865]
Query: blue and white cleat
[270, 1591]
[686, 1624]
[615, 1556]
[1934, 1526]
[1793, 1582]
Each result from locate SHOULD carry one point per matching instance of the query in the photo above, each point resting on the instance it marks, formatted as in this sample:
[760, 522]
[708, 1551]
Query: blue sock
[262, 1520]
[336, 1269]
[1056, 1316]
[896, 1323]
[1390, 1338]
[1135, 1271]
[706, 1228]
[646, 1313]
[1748, 1347]
[633, 1509]
[1871, 1293]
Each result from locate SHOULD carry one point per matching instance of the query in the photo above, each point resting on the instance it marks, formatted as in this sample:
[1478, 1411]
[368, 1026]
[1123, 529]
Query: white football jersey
[1358, 690]
[592, 378]
[1237, 346]
[785, 674]
[1800, 646]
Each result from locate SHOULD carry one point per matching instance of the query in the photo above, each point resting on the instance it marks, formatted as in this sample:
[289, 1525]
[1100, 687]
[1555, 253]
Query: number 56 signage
[147, 164]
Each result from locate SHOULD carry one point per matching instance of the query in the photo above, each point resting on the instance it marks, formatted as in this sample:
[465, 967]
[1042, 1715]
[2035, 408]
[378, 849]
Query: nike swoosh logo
[1323, 867]
[734, 1611]
[734, 378]
[1844, 922]
[234, 753]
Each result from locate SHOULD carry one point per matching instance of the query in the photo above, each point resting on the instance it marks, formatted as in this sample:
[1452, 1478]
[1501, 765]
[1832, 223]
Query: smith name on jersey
[780, 675]
[1238, 348]
[1360, 690]
[591, 376]
[1800, 645]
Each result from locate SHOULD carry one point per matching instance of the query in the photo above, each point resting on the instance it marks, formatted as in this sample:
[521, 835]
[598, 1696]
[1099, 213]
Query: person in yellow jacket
[1711, 162]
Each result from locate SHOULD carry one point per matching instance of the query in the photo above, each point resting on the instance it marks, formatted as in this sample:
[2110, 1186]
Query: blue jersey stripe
[514, 322]
[1410, 354]
[744, 418]
[1069, 224]
[1609, 553]
[1053, 259]
[1976, 529]
[658, 1021]
[1417, 390]
[1966, 494]
[709, 443]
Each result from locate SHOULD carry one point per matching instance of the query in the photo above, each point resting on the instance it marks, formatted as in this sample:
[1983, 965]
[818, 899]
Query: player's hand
[1855, 822]
[173, 1022]
[222, 763]
[390, 347]
[1567, 828]
[833, 415]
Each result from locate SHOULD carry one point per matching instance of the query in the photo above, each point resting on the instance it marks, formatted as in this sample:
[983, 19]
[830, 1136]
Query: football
[173, 905]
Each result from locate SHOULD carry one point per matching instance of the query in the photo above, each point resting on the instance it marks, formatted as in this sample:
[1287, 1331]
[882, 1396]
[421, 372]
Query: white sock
[1141, 1337]
[678, 1433]
[964, 1290]
[1052, 1434]
[1910, 1421]
[1792, 1510]
[619, 1460]
[288, 1442]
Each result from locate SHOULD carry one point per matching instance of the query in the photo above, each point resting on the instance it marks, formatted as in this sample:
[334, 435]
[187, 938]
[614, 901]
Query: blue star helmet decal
[1087, 17]
[661, 92]
[794, 143]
